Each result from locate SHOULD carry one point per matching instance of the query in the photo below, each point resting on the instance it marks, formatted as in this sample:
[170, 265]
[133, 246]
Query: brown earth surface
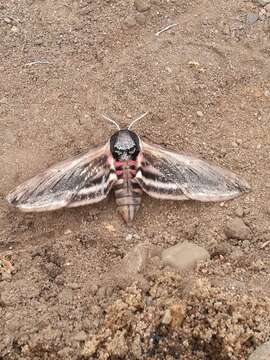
[206, 85]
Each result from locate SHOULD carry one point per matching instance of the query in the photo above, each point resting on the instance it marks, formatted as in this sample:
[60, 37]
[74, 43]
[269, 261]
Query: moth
[129, 166]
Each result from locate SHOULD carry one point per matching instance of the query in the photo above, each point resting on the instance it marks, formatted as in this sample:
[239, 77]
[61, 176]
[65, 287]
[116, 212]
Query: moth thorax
[125, 145]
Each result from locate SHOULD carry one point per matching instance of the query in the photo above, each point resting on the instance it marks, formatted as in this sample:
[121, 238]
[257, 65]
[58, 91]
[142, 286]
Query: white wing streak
[82, 180]
[168, 175]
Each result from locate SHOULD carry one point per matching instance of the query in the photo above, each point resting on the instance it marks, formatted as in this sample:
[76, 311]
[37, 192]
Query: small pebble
[263, 2]
[174, 316]
[142, 5]
[7, 20]
[239, 141]
[129, 237]
[130, 22]
[167, 318]
[239, 212]
[178, 315]
[237, 229]
[246, 243]
[38, 42]
[184, 255]
[14, 29]
[267, 92]
[74, 286]
[252, 18]
[141, 19]
[200, 113]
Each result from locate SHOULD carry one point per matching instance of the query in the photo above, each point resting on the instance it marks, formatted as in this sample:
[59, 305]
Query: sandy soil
[206, 84]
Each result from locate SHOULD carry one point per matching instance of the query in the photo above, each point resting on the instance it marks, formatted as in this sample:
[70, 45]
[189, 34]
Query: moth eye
[132, 150]
[118, 151]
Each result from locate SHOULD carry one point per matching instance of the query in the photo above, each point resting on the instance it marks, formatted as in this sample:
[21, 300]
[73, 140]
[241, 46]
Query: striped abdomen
[127, 191]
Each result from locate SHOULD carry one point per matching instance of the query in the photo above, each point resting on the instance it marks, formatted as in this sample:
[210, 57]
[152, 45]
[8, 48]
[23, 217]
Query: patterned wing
[82, 180]
[165, 174]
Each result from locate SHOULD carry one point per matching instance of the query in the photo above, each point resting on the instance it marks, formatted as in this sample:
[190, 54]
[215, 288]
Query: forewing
[166, 174]
[82, 180]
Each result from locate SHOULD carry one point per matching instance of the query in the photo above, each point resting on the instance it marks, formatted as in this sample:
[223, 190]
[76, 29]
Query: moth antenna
[111, 120]
[139, 118]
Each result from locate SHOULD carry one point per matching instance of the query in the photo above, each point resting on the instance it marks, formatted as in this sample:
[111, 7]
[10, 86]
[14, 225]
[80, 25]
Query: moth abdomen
[128, 199]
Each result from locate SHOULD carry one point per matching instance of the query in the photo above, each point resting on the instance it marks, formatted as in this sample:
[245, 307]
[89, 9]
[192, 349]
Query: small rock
[246, 243]
[184, 255]
[267, 92]
[7, 20]
[14, 29]
[237, 229]
[261, 353]
[239, 141]
[129, 237]
[219, 249]
[167, 317]
[239, 212]
[67, 232]
[141, 19]
[85, 11]
[252, 18]
[130, 22]
[174, 316]
[135, 261]
[263, 2]
[178, 314]
[200, 113]
[142, 5]
[74, 286]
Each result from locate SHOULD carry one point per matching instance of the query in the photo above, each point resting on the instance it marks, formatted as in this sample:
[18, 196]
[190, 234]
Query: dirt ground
[206, 85]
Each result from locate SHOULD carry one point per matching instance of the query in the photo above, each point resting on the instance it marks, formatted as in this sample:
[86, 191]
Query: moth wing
[166, 174]
[81, 180]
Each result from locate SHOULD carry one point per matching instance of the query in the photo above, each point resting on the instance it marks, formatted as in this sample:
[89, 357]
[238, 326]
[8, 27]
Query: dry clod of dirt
[142, 5]
[184, 255]
[237, 229]
[261, 353]
[204, 322]
[132, 267]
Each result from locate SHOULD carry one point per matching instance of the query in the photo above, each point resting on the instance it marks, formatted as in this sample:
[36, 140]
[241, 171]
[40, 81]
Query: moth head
[125, 145]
